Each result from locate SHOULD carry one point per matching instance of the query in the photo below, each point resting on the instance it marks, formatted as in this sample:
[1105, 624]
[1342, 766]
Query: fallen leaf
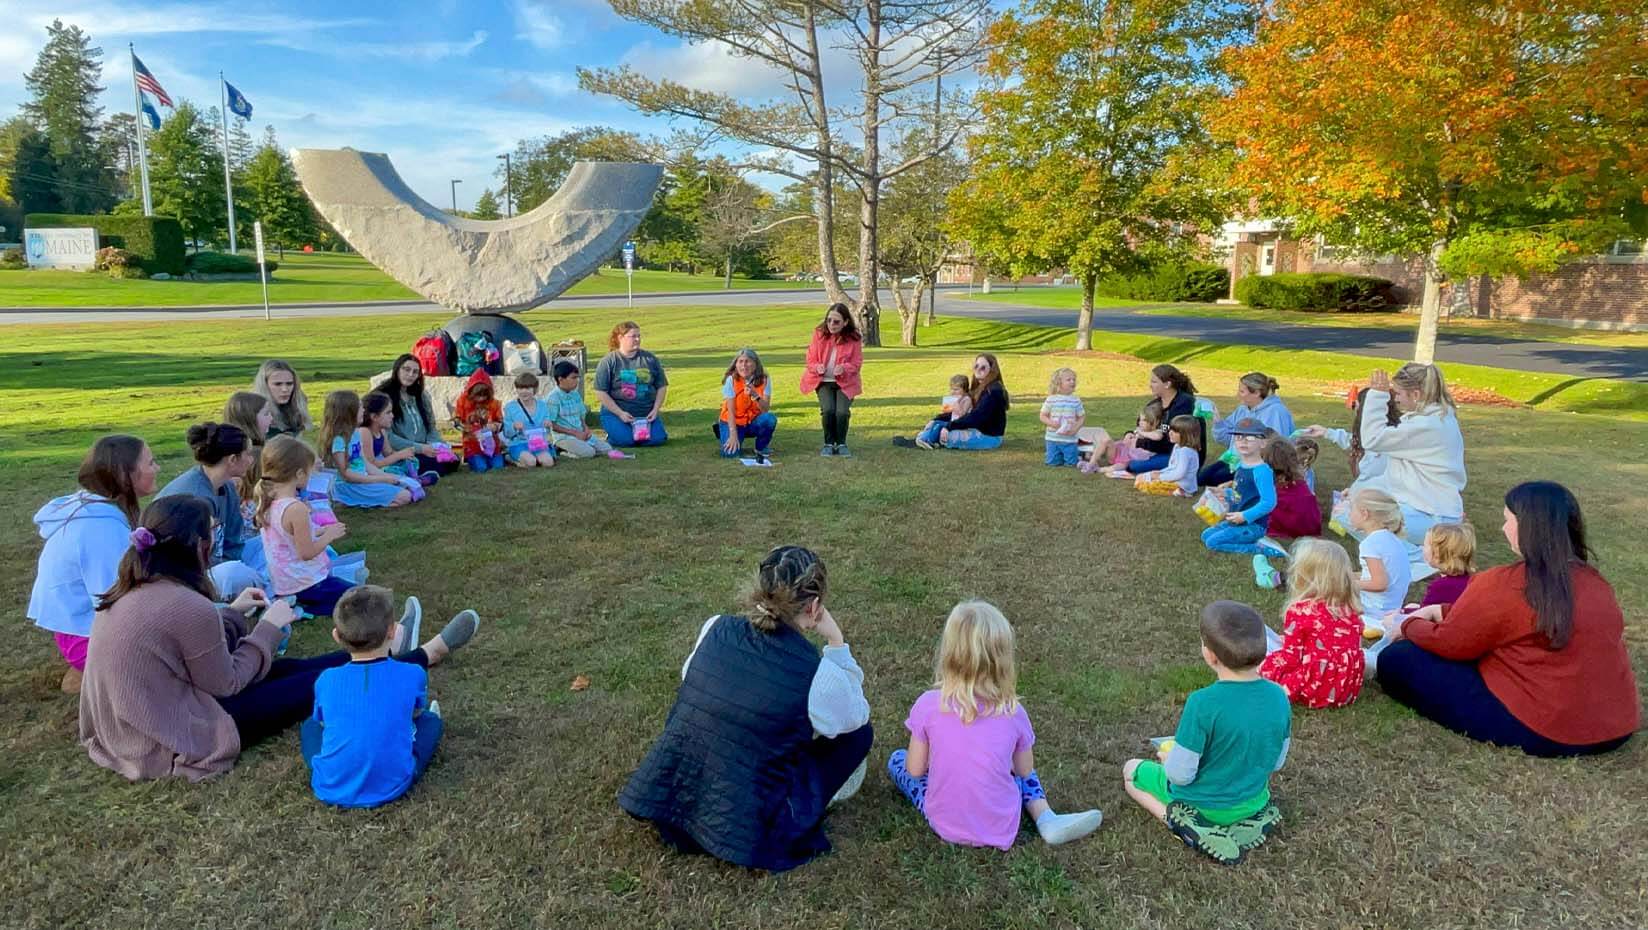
[580, 683]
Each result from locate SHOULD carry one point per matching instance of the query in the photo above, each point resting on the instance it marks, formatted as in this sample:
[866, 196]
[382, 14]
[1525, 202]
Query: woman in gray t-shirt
[631, 386]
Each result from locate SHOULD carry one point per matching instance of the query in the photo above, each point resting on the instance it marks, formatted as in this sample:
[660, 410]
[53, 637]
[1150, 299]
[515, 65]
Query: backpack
[434, 353]
[475, 350]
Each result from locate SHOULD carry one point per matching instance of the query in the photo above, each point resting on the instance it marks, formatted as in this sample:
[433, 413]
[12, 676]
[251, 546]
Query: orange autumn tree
[1500, 137]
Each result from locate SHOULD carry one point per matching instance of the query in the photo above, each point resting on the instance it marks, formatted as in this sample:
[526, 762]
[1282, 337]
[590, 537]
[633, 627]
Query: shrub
[112, 259]
[1315, 292]
[156, 241]
[223, 263]
[12, 259]
[1177, 281]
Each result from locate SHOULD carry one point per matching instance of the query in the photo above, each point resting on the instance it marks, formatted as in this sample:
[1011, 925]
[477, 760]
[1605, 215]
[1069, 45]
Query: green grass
[322, 277]
[606, 569]
[1068, 298]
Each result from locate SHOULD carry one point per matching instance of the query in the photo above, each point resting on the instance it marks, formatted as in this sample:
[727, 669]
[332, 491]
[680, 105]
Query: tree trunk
[869, 248]
[1084, 319]
[824, 178]
[728, 285]
[1430, 308]
[932, 302]
[986, 288]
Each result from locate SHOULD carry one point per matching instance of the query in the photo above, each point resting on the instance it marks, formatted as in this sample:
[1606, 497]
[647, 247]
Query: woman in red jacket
[833, 360]
[1532, 655]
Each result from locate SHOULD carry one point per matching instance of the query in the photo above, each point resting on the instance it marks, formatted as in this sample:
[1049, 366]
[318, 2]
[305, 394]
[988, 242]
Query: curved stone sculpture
[478, 265]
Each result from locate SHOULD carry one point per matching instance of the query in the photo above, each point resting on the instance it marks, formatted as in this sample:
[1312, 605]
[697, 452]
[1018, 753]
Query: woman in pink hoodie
[833, 360]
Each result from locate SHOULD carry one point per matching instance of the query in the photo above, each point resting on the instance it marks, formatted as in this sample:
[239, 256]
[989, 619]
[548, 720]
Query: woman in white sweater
[1424, 452]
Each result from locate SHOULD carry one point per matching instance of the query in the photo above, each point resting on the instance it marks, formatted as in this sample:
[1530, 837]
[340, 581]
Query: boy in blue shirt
[573, 437]
[1232, 734]
[374, 729]
[1253, 498]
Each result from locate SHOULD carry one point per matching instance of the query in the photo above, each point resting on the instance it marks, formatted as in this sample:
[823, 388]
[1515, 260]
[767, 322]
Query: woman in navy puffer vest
[765, 733]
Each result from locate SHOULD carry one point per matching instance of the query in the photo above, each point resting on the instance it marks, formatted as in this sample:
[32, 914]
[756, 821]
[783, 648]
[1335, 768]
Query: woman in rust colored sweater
[1533, 654]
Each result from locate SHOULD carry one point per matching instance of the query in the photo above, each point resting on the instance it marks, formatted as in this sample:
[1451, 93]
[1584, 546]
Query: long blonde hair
[1383, 508]
[1427, 380]
[1320, 570]
[341, 418]
[284, 460]
[974, 671]
[242, 410]
[292, 415]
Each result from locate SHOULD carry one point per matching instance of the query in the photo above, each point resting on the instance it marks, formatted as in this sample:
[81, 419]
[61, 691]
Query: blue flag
[150, 114]
[238, 104]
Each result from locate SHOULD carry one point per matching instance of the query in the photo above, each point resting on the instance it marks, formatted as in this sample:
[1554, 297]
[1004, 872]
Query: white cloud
[715, 67]
[410, 51]
[129, 20]
[539, 26]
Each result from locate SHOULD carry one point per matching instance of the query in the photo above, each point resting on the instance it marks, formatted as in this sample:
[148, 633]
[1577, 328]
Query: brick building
[1607, 291]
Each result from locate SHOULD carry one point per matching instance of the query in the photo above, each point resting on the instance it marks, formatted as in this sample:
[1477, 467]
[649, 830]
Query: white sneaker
[1058, 829]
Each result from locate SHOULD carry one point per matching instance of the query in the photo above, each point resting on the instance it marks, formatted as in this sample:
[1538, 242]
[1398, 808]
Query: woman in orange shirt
[1532, 655]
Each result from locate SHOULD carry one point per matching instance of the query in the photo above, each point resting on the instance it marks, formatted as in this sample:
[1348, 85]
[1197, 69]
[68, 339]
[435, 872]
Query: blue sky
[442, 86]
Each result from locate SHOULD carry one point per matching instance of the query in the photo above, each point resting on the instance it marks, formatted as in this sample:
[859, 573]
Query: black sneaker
[904, 442]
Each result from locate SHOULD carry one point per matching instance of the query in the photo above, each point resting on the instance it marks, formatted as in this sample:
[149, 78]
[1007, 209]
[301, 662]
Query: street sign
[629, 270]
[263, 269]
[257, 229]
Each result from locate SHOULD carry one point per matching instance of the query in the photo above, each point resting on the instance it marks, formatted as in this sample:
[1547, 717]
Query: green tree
[274, 196]
[32, 175]
[538, 166]
[1490, 138]
[63, 88]
[1093, 137]
[486, 206]
[914, 239]
[186, 173]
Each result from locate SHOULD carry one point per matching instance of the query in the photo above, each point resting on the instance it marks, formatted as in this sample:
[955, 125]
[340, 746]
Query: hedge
[1315, 292]
[223, 263]
[157, 241]
[1169, 282]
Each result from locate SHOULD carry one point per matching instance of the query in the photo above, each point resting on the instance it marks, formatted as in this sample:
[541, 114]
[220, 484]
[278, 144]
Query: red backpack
[434, 353]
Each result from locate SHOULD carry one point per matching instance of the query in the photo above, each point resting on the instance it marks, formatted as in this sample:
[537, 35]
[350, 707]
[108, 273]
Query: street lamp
[455, 183]
[509, 194]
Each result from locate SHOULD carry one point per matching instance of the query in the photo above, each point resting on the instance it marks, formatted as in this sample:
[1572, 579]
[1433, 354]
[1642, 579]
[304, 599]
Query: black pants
[1214, 474]
[428, 463]
[286, 696]
[835, 409]
[1454, 695]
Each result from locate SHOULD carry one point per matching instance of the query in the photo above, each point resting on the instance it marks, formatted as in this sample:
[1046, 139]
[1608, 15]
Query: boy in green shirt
[1232, 734]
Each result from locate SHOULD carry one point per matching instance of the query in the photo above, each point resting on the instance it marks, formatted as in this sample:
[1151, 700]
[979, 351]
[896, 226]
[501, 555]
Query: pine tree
[64, 85]
[273, 196]
[486, 206]
[241, 146]
[186, 173]
[33, 174]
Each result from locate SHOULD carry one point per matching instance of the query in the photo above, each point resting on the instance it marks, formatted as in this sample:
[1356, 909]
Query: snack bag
[643, 430]
[444, 453]
[1212, 506]
[537, 441]
[488, 442]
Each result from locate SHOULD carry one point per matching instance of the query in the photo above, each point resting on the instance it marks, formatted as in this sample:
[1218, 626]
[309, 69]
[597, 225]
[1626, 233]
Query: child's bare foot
[457, 632]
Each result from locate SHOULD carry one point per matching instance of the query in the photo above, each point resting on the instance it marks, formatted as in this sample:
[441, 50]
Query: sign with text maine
[61, 248]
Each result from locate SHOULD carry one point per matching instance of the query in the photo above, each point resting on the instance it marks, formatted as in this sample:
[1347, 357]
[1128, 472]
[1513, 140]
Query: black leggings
[835, 409]
[428, 463]
[286, 695]
[1454, 695]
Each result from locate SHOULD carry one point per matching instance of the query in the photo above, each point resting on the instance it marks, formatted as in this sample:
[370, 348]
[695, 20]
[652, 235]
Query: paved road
[1577, 361]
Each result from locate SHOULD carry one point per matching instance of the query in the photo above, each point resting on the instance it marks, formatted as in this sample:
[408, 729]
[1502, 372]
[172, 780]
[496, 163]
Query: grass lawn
[1070, 298]
[321, 277]
[606, 569]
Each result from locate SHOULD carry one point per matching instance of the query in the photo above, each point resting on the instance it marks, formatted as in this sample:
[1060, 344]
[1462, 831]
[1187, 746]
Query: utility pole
[938, 111]
[509, 192]
[455, 183]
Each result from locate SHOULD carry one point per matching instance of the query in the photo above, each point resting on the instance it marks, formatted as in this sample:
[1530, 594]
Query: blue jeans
[1154, 463]
[914, 788]
[622, 434]
[1062, 453]
[761, 429]
[1234, 537]
[479, 463]
[426, 735]
[321, 598]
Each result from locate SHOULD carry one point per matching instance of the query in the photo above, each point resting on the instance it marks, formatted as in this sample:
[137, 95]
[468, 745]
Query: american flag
[146, 82]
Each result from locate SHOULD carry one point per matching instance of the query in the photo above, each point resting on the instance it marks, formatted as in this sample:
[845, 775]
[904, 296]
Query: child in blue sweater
[1253, 498]
[526, 431]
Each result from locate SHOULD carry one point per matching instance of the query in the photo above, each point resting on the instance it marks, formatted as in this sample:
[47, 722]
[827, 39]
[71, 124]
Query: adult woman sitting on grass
[1424, 452]
[631, 385]
[1532, 655]
[1256, 398]
[277, 381]
[223, 455]
[415, 424]
[764, 733]
[86, 534]
[1177, 394]
[980, 428]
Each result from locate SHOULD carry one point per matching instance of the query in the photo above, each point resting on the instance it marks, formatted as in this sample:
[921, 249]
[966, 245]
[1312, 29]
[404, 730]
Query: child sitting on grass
[374, 729]
[569, 417]
[1308, 450]
[1063, 414]
[1297, 512]
[969, 767]
[526, 425]
[479, 416]
[343, 444]
[293, 546]
[1386, 571]
[1318, 658]
[1450, 548]
[959, 402]
[1231, 736]
[1178, 479]
[1123, 451]
[1253, 498]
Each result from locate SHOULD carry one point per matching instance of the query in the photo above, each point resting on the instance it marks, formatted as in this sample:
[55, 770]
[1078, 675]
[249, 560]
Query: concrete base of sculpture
[478, 265]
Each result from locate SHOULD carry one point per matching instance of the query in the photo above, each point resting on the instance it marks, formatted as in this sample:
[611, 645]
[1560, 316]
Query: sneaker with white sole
[460, 629]
[411, 622]
[842, 451]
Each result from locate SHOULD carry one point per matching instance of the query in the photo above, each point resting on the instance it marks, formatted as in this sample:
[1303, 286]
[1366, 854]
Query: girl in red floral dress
[1318, 658]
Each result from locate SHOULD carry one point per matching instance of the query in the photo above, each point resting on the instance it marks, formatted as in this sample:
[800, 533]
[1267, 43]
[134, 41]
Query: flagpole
[142, 133]
[228, 188]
